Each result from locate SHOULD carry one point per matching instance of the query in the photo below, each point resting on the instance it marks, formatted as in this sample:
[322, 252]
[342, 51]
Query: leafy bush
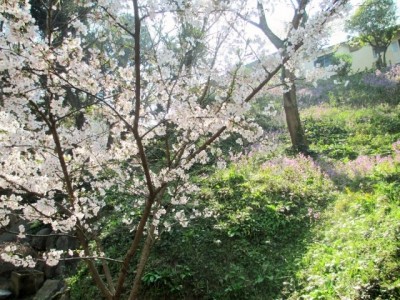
[343, 62]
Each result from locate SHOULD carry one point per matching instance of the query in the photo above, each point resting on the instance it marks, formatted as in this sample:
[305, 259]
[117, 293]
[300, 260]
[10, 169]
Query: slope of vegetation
[346, 132]
[355, 249]
[263, 215]
[290, 227]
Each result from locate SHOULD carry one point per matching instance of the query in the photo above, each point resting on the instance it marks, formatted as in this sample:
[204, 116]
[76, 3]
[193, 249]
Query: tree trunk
[142, 263]
[379, 62]
[297, 135]
[296, 131]
[384, 59]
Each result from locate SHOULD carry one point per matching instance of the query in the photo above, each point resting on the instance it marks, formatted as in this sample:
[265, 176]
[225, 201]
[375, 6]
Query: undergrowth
[355, 250]
[251, 247]
[289, 227]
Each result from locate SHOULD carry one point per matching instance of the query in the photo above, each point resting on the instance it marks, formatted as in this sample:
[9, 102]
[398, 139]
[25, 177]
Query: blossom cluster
[71, 119]
[10, 255]
[109, 107]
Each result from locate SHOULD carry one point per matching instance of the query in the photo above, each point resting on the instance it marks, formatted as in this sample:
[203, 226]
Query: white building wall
[362, 58]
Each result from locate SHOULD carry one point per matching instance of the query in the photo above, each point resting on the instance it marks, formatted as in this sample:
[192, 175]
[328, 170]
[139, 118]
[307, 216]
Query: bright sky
[282, 13]
[338, 35]
[279, 16]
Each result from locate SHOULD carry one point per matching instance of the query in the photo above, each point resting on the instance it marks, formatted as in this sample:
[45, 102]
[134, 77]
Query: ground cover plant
[321, 227]
[355, 249]
[346, 133]
[257, 210]
[364, 88]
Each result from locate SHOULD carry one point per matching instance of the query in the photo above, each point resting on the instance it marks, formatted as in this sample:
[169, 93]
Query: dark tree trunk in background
[296, 131]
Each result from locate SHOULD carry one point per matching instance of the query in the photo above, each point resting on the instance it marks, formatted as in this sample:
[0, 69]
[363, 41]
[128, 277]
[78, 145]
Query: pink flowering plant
[257, 203]
[84, 114]
[299, 180]
[360, 89]
[364, 168]
[396, 151]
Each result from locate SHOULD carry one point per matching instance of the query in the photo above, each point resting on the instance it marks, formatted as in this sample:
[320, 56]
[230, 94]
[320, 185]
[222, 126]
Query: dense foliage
[292, 227]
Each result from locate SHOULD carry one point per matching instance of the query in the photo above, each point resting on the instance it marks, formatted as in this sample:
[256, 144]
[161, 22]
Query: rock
[7, 237]
[65, 296]
[39, 240]
[50, 289]
[40, 265]
[14, 227]
[50, 271]
[6, 268]
[51, 242]
[26, 282]
[54, 271]
[65, 243]
[4, 283]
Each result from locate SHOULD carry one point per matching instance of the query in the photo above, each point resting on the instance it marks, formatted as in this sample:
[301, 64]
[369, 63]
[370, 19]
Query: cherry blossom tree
[302, 23]
[146, 122]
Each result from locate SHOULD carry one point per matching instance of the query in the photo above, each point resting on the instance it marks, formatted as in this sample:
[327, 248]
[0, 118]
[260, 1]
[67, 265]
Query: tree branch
[263, 25]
